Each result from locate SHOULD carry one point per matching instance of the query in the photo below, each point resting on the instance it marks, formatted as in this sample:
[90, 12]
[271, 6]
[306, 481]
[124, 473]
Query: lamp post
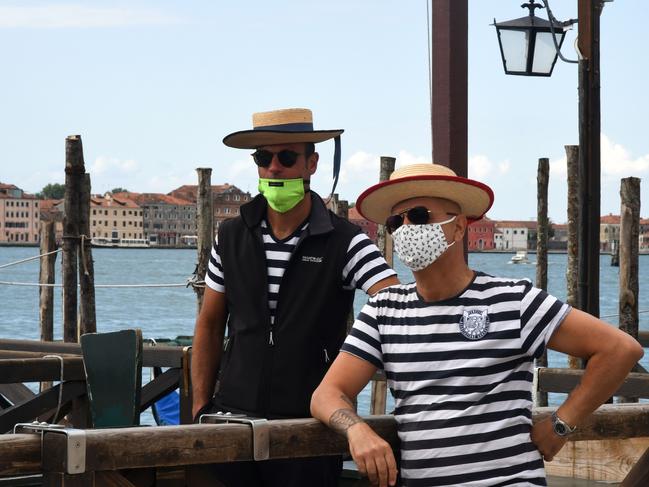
[526, 44]
[525, 49]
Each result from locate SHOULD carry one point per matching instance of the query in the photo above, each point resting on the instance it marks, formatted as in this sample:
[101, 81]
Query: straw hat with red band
[420, 180]
[288, 126]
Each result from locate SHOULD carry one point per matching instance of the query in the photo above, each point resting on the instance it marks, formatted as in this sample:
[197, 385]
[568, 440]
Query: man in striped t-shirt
[282, 276]
[458, 349]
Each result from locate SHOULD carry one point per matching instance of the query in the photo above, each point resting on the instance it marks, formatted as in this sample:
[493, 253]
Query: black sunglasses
[417, 215]
[286, 158]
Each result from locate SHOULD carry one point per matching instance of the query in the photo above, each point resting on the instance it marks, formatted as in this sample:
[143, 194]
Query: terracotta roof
[610, 219]
[353, 214]
[153, 198]
[530, 224]
[8, 186]
[49, 205]
[112, 202]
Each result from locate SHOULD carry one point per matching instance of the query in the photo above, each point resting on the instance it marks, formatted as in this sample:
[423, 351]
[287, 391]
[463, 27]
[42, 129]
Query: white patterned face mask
[418, 246]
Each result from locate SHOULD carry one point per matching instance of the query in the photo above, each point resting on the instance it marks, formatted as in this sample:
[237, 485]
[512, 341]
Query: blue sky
[153, 86]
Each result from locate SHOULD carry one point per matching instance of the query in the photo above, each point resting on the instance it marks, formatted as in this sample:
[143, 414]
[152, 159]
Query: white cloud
[74, 16]
[481, 167]
[112, 165]
[616, 160]
[405, 158]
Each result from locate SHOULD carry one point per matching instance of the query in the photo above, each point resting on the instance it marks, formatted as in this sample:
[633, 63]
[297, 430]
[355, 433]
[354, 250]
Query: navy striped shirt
[365, 265]
[461, 373]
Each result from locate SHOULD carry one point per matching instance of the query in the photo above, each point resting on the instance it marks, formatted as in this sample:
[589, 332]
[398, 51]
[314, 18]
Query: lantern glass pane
[545, 53]
[515, 46]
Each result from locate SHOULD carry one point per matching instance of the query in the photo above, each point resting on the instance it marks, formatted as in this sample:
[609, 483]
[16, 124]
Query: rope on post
[29, 258]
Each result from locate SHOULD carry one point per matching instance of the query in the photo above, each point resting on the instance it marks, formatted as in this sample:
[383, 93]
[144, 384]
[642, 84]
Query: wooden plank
[40, 369]
[111, 479]
[39, 404]
[159, 387]
[638, 476]
[160, 355]
[16, 393]
[565, 380]
[20, 454]
[598, 460]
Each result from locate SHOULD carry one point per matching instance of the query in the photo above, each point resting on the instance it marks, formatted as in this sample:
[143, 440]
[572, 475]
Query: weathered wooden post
[74, 174]
[542, 224]
[384, 242]
[46, 276]
[572, 268]
[629, 235]
[87, 313]
[205, 220]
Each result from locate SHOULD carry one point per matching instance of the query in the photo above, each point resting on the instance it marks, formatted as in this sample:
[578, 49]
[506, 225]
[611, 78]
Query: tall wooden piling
[542, 227]
[74, 174]
[46, 276]
[629, 235]
[384, 242]
[205, 221]
[87, 312]
[572, 268]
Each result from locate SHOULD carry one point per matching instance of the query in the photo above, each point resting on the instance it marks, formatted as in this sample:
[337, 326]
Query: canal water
[166, 312]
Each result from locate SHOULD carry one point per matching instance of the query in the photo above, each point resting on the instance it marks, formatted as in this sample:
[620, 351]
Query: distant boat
[120, 242]
[520, 258]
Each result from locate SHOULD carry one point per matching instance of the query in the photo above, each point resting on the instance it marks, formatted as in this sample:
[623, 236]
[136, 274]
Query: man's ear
[461, 224]
[312, 162]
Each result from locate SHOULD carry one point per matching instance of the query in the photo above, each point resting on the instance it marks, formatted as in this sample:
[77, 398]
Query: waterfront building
[19, 215]
[52, 211]
[113, 217]
[515, 235]
[167, 220]
[227, 199]
[480, 235]
[370, 228]
[609, 232]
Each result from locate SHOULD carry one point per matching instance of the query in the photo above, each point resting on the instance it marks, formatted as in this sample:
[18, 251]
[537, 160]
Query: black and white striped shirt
[364, 267]
[461, 373]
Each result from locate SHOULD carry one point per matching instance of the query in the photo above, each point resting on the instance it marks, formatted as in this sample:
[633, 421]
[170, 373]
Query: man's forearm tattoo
[341, 419]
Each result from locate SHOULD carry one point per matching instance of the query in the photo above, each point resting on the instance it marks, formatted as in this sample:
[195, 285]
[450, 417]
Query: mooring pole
[46, 292]
[629, 235]
[589, 155]
[87, 310]
[542, 231]
[74, 174]
[572, 267]
[205, 219]
[378, 396]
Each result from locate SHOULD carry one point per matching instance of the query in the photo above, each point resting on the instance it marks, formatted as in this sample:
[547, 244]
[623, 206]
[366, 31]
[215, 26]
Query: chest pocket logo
[310, 258]
[474, 323]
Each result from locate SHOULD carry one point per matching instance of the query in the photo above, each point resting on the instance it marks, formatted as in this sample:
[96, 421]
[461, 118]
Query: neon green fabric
[282, 194]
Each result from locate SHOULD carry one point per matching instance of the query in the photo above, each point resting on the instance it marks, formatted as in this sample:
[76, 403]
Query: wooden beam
[20, 454]
[565, 380]
[639, 474]
[158, 387]
[40, 369]
[160, 355]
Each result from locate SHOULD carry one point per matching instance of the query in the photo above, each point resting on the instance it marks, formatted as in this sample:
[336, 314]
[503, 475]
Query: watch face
[560, 429]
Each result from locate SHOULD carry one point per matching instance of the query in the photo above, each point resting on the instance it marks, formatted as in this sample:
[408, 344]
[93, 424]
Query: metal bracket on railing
[260, 435]
[75, 459]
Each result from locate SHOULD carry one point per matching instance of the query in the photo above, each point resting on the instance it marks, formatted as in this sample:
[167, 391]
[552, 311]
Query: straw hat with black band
[288, 126]
[425, 180]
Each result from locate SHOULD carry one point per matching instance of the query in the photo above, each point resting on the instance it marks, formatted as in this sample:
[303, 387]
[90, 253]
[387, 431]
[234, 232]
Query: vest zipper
[326, 356]
[271, 342]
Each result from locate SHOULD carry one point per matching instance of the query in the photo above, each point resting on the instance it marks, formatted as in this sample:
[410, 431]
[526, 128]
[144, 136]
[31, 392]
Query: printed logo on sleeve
[310, 258]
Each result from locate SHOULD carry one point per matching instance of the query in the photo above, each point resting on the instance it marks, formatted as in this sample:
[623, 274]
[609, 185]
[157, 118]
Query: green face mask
[282, 194]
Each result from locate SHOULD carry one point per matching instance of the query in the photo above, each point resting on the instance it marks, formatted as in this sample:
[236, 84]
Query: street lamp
[529, 46]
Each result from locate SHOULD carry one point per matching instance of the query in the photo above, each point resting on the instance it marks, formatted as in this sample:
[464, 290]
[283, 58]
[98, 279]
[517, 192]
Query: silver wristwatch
[561, 428]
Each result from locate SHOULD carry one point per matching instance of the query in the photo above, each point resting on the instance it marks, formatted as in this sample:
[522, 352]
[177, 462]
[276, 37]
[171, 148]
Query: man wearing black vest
[282, 276]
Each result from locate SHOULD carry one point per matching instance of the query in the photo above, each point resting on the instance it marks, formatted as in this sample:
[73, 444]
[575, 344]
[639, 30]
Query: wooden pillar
[572, 267]
[379, 392]
[205, 219]
[87, 312]
[589, 155]
[450, 73]
[74, 174]
[629, 235]
[542, 227]
[46, 276]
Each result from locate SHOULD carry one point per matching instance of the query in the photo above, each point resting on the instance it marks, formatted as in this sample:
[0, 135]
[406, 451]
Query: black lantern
[527, 45]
